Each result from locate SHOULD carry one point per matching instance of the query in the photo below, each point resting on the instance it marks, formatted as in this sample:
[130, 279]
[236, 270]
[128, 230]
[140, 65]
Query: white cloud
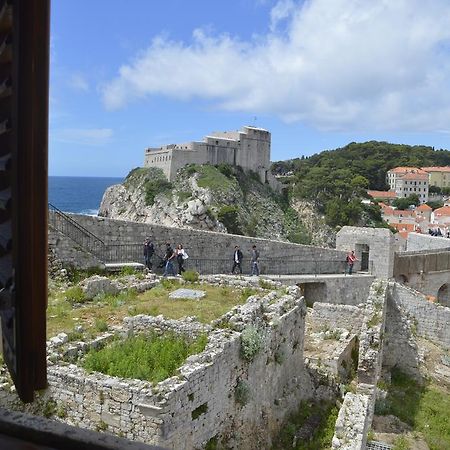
[341, 65]
[79, 82]
[95, 137]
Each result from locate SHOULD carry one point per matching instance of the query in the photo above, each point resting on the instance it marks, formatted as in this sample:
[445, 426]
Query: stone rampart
[417, 242]
[207, 245]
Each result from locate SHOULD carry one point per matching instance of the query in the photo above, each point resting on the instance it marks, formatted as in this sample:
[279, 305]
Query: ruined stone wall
[356, 413]
[400, 347]
[217, 393]
[424, 318]
[339, 316]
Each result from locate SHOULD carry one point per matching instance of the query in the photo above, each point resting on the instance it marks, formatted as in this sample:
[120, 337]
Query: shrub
[75, 295]
[101, 325]
[226, 169]
[150, 357]
[251, 343]
[155, 187]
[264, 284]
[190, 276]
[242, 392]
[228, 215]
[247, 292]
[49, 408]
[127, 270]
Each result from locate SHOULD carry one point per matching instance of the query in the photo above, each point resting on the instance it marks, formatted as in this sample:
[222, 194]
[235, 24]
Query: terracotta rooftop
[403, 226]
[414, 176]
[444, 211]
[400, 170]
[437, 169]
[424, 207]
[382, 194]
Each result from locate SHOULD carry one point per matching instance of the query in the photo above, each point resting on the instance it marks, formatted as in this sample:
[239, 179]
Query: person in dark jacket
[169, 257]
[237, 259]
[255, 262]
[149, 249]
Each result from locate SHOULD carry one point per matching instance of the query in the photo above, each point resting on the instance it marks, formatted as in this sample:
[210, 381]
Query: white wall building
[248, 148]
[406, 181]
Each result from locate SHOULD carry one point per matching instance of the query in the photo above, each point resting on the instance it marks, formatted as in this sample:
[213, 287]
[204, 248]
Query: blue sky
[317, 74]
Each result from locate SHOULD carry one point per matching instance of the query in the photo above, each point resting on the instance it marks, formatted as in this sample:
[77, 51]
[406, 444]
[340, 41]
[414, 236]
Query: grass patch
[151, 357]
[322, 415]
[212, 178]
[111, 309]
[424, 407]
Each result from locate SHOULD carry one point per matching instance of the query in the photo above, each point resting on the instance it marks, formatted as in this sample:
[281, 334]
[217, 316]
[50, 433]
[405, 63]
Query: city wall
[204, 245]
[417, 242]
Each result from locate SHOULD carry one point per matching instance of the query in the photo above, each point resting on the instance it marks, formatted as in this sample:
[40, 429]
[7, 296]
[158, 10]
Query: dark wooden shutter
[24, 77]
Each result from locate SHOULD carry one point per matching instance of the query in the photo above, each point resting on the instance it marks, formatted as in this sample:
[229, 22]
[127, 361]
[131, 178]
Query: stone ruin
[242, 399]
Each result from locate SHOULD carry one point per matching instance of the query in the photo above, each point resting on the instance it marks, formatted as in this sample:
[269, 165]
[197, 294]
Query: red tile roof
[444, 211]
[400, 170]
[424, 207]
[437, 169]
[382, 194]
[414, 176]
[403, 226]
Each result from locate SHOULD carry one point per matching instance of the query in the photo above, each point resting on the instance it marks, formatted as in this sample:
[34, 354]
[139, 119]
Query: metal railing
[66, 225]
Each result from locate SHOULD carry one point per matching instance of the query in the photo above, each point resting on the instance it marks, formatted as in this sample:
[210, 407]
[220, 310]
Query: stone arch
[443, 295]
[403, 279]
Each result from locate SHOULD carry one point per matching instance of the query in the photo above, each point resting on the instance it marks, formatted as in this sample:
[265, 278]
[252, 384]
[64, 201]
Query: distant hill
[369, 159]
[336, 180]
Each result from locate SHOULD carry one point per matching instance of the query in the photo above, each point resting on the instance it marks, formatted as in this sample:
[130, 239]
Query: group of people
[238, 257]
[438, 232]
[179, 256]
[170, 256]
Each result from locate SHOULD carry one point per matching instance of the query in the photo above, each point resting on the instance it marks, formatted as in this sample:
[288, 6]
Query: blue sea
[78, 194]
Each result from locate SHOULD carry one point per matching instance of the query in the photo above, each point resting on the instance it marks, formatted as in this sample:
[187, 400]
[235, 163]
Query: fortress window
[217, 142]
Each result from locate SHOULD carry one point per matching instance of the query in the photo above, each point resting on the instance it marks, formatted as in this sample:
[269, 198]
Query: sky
[317, 74]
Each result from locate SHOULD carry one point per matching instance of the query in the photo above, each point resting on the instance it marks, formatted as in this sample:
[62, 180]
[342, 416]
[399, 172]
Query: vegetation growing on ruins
[311, 427]
[424, 407]
[251, 342]
[153, 358]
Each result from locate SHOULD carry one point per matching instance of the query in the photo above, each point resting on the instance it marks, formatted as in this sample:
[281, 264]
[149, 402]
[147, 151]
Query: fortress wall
[209, 245]
[217, 393]
[417, 242]
[423, 318]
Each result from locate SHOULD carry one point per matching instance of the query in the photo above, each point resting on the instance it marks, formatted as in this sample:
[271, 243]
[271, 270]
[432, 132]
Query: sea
[81, 195]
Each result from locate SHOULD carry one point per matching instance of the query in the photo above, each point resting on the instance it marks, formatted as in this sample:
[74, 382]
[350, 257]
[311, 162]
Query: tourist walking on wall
[255, 263]
[169, 258]
[149, 249]
[181, 257]
[237, 259]
[351, 258]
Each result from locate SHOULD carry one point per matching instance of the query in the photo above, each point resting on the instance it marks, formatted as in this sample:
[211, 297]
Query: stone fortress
[248, 148]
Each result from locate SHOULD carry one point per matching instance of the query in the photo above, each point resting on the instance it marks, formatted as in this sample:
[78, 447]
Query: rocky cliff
[205, 197]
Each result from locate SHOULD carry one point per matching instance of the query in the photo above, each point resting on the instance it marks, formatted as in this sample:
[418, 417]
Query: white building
[406, 181]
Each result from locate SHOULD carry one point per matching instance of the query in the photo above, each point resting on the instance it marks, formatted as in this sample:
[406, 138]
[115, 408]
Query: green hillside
[336, 180]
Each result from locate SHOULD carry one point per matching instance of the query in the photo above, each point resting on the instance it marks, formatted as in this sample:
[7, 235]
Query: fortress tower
[248, 148]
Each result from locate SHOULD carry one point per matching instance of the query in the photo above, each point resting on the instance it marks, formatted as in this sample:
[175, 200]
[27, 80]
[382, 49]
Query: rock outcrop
[221, 199]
